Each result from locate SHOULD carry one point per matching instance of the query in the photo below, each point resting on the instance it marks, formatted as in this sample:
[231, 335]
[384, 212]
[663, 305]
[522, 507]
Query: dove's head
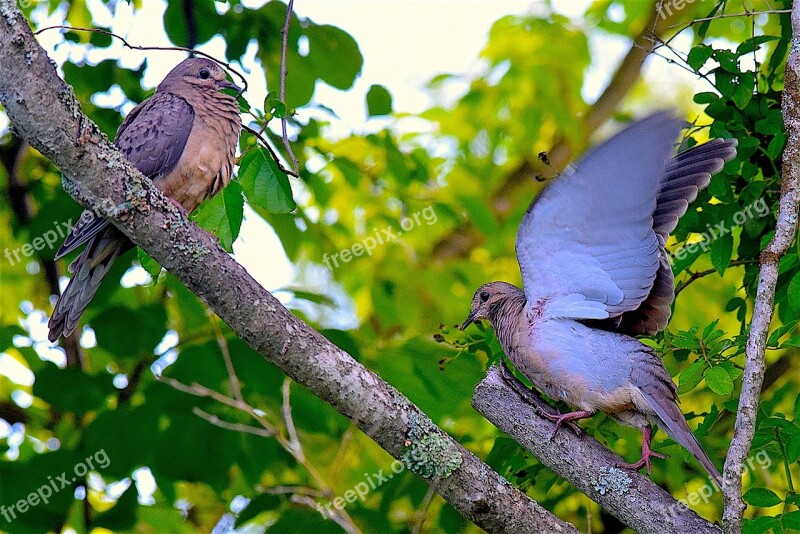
[491, 298]
[197, 73]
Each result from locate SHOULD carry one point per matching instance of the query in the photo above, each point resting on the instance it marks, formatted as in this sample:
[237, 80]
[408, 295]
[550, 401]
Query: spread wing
[684, 177]
[586, 246]
[152, 137]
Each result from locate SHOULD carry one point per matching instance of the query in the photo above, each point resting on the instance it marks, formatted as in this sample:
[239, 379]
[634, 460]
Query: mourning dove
[596, 273]
[183, 138]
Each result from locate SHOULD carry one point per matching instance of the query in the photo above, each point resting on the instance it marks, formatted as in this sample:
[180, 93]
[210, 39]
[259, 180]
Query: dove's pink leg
[536, 402]
[647, 434]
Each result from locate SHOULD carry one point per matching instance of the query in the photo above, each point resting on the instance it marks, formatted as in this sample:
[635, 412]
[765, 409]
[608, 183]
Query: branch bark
[585, 463]
[785, 232]
[45, 113]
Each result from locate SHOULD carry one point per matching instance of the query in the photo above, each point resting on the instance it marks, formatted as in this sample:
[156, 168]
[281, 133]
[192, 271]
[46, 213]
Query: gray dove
[183, 138]
[596, 273]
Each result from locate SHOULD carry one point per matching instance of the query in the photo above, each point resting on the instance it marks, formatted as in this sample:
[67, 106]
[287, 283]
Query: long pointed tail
[670, 418]
[658, 390]
[90, 268]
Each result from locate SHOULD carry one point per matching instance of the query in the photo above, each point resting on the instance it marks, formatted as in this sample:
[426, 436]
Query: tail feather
[658, 390]
[89, 268]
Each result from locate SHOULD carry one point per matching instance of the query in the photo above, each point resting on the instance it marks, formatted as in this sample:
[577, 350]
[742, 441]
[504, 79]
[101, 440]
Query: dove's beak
[470, 319]
[225, 84]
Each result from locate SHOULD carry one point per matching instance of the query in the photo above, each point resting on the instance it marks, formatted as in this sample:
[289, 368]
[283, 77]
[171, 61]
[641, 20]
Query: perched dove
[596, 273]
[184, 138]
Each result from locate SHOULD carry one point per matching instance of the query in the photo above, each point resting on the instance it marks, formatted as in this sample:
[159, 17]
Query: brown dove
[183, 138]
[596, 273]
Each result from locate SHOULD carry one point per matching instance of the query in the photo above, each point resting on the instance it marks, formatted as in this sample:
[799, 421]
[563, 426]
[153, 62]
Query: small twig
[729, 15]
[347, 437]
[238, 427]
[422, 513]
[140, 47]
[236, 386]
[340, 517]
[700, 274]
[299, 490]
[275, 157]
[286, 408]
[284, 46]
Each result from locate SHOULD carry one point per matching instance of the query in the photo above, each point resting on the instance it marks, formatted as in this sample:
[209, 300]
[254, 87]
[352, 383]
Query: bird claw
[644, 461]
[560, 419]
[647, 453]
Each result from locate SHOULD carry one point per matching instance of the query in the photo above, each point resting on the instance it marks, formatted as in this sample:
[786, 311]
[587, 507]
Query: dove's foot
[568, 419]
[647, 453]
[537, 403]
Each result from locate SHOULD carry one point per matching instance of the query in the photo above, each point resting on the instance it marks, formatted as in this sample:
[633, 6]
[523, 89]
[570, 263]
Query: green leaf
[686, 340]
[264, 184]
[761, 497]
[277, 107]
[698, 56]
[334, 54]
[721, 251]
[379, 101]
[719, 381]
[794, 293]
[259, 504]
[72, 390]
[753, 43]
[150, 265]
[743, 92]
[222, 215]
[123, 515]
[691, 376]
[706, 98]
[793, 448]
[775, 147]
[113, 329]
[791, 521]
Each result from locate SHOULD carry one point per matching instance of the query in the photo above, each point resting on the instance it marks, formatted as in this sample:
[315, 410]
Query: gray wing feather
[684, 177]
[152, 137]
[586, 246]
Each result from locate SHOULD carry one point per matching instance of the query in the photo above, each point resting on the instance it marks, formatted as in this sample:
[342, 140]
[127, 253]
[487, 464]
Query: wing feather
[586, 246]
[152, 137]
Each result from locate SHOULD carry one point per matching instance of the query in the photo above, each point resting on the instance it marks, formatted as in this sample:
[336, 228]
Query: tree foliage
[155, 392]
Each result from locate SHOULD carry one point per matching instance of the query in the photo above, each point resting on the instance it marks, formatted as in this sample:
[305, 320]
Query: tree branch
[45, 113]
[785, 231]
[584, 462]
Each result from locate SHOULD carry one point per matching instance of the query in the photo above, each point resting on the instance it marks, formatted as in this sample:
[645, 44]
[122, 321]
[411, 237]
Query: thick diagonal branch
[585, 463]
[45, 113]
[785, 232]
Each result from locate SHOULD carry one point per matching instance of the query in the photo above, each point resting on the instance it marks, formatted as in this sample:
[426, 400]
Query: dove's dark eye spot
[484, 296]
[204, 74]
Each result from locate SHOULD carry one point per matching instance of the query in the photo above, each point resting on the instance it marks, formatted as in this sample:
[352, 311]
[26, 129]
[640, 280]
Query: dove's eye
[484, 296]
[204, 74]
